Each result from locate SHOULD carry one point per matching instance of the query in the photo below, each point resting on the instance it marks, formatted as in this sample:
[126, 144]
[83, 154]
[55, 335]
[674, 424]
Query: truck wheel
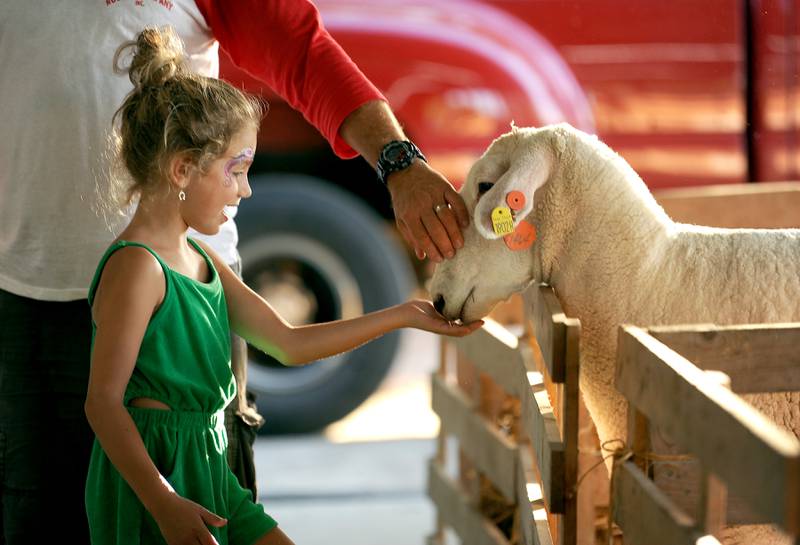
[317, 254]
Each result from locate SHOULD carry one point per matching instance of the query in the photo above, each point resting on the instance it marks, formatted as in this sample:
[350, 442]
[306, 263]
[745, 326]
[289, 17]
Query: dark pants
[241, 437]
[45, 439]
[241, 433]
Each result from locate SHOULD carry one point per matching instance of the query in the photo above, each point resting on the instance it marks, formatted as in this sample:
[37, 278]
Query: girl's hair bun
[158, 56]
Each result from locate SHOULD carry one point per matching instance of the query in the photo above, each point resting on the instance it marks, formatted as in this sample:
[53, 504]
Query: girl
[162, 305]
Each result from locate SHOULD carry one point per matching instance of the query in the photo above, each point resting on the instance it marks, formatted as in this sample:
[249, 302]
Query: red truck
[689, 92]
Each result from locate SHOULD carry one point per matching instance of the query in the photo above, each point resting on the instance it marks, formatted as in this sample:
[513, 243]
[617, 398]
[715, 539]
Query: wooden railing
[698, 457]
[682, 384]
[512, 477]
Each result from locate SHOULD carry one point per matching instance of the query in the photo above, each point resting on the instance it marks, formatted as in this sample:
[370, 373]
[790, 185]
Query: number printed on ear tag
[502, 221]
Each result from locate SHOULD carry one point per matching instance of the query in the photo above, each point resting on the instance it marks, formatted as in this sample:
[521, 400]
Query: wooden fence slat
[756, 459]
[570, 410]
[455, 510]
[646, 515]
[487, 448]
[542, 430]
[550, 326]
[493, 350]
[757, 357]
[530, 500]
[681, 480]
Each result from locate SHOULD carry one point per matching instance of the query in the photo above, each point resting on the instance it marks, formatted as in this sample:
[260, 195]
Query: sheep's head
[486, 271]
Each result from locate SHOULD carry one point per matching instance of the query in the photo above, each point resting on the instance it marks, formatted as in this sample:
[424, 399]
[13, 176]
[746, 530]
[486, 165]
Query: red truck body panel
[667, 85]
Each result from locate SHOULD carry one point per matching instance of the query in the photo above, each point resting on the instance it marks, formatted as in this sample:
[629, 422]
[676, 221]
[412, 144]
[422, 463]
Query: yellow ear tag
[502, 221]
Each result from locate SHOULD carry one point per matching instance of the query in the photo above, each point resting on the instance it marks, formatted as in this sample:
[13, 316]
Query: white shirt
[58, 94]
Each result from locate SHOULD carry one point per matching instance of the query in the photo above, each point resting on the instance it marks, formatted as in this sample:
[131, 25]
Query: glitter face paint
[244, 156]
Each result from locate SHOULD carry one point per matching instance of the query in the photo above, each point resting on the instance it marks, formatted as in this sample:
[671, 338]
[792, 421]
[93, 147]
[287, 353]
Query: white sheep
[613, 256]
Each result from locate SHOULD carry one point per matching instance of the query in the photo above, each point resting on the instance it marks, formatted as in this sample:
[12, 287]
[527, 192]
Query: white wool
[613, 256]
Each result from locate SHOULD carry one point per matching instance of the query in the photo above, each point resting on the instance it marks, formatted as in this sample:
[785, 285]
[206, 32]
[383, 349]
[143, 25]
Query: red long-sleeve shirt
[284, 44]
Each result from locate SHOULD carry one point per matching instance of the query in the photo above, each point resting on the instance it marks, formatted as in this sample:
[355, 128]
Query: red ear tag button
[522, 238]
[515, 200]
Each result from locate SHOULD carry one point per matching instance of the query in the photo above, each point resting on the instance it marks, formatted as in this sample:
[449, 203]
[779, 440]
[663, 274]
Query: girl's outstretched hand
[421, 315]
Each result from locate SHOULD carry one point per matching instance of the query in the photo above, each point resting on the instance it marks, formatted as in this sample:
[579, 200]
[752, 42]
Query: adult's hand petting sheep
[613, 256]
[430, 214]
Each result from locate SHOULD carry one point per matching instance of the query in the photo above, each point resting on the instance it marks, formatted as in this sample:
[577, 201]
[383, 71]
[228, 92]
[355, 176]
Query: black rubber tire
[311, 212]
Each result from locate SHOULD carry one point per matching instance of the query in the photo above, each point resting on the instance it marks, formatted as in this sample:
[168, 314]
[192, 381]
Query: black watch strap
[396, 155]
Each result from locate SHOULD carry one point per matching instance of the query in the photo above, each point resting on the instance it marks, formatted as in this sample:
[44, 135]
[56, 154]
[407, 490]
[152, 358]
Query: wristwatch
[396, 155]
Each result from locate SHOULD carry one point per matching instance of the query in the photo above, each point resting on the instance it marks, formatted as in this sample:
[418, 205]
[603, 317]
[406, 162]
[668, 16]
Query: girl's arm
[254, 319]
[318, 341]
[130, 290]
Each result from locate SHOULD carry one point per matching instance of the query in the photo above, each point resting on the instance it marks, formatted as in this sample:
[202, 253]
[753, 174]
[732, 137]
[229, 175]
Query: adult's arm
[285, 44]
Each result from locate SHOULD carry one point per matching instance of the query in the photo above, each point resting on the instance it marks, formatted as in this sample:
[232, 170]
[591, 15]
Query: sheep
[613, 256]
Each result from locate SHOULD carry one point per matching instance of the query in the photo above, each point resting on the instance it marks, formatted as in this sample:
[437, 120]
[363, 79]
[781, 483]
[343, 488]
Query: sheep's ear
[529, 170]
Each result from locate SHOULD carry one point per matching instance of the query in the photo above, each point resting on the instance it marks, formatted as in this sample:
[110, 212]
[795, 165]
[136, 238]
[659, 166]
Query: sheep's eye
[483, 187]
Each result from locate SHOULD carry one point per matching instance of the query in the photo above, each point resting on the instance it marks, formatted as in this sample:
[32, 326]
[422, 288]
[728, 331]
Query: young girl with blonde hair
[162, 309]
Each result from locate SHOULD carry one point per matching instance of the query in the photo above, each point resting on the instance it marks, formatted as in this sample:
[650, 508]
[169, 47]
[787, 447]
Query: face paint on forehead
[244, 156]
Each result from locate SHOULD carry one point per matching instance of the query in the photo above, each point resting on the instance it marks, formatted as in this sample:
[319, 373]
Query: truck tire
[317, 254]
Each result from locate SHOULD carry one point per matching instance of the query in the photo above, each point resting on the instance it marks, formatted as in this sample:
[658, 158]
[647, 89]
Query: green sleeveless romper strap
[183, 361]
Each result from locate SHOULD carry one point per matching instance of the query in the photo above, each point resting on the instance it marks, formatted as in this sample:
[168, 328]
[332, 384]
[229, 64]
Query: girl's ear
[511, 197]
[180, 169]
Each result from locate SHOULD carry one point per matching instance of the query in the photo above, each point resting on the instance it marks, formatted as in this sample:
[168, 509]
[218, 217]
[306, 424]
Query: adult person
[57, 98]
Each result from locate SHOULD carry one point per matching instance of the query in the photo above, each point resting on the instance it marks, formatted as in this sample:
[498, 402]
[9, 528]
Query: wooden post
[713, 492]
[639, 438]
[570, 409]
[713, 504]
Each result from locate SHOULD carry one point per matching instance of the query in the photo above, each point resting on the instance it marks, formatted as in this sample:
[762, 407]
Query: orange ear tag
[522, 238]
[515, 200]
[502, 221]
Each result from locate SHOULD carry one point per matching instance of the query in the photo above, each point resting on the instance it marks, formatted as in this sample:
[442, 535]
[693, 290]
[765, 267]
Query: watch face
[396, 152]
[396, 155]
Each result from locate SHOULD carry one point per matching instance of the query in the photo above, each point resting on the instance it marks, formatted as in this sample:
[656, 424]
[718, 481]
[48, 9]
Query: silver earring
[181, 195]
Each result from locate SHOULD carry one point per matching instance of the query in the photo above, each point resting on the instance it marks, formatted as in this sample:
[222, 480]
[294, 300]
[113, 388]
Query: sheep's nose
[438, 303]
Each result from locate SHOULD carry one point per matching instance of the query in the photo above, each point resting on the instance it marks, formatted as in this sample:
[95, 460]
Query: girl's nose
[244, 188]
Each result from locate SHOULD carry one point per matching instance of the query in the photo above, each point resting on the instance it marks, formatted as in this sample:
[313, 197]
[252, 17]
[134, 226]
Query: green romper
[184, 361]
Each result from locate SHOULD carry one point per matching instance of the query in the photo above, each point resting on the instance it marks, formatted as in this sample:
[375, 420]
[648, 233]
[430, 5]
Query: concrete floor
[362, 493]
[363, 480]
